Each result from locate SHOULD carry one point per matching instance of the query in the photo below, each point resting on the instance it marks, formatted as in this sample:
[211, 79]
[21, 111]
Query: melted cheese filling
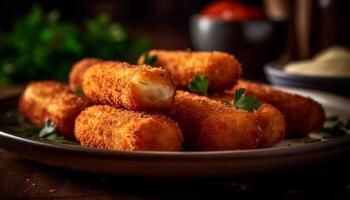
[153, 91]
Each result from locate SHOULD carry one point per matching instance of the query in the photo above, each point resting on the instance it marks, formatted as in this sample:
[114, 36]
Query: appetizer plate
[289, 154]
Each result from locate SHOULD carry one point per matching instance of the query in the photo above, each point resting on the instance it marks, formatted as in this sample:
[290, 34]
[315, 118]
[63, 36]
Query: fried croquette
[78, 70]
[51, 100]
[270, 120]
[222, 69]
[210, 125]
[272, 124]
[303, 115]
[119, 129]
[139, 88]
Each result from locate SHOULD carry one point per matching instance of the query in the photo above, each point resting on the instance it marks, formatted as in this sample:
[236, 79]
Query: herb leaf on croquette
[199, 84]
[149, 60]
[241, 101]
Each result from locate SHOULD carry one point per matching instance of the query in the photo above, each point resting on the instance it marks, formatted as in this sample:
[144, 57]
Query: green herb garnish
[247, 103]
[241, 101]
[79, 91]
[149, 60]
[199, 84]
[332, 119]
[334, 127]
[48, 133]
[9, 118]
[13, 122]
[49, 128]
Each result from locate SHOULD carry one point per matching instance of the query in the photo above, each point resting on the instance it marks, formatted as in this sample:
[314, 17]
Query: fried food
[78, 70]
[51, 100]
[270, 120]
[139, 88]
[222, 69]
[119, 129]
[303, 115]
[272, 124]
[209, 125]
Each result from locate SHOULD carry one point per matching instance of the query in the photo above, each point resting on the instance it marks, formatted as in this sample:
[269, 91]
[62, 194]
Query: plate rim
[208, 155]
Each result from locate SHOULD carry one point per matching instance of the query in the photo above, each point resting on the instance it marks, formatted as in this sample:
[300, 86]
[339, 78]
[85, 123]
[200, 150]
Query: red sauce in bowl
[232, 10]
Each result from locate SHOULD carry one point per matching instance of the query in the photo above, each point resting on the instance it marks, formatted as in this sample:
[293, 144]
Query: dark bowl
[253, 42]
[277, 76]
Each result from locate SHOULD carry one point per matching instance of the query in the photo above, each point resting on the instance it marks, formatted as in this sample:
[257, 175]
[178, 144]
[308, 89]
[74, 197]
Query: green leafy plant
[40, 46]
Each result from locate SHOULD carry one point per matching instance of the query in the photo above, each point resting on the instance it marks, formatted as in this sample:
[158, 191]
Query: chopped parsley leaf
[199, 84]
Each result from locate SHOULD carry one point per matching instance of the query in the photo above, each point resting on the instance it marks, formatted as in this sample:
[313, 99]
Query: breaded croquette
[270, 120]
[51, 100]
[222, 69]
[139, 88]
[119, 129]
[272, 124]
[78, 71]
[210, 125]
[303, 115]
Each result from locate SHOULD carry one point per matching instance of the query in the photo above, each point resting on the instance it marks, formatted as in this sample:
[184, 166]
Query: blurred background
[42, 39]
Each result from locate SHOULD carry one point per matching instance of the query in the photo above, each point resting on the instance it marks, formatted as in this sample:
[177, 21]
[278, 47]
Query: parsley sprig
[14, 122]
[334, 127]
[244, 102]
[149, 60]
[241, 101]
[47, 132]
[79, 91]
[49, 128]
[199, 84]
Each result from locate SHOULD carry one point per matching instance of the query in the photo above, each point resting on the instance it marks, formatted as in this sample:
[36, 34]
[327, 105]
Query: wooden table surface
[24, 179]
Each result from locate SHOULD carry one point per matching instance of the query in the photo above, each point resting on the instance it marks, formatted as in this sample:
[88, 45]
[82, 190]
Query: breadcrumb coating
[119, 129]
[303, 115]
[139, 88]
[78, 70]
[222, 69]
[51, 100]
[272, 124]
[270, 120]
[209, 125]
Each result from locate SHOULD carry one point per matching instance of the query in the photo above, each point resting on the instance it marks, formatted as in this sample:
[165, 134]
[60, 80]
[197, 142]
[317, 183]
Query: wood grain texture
[23, 179]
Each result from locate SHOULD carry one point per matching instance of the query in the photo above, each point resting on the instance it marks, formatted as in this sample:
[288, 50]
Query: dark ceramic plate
[289, 154]
[277, 76]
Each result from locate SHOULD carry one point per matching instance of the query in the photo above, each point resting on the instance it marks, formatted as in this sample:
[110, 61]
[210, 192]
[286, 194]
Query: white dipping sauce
[333, 61]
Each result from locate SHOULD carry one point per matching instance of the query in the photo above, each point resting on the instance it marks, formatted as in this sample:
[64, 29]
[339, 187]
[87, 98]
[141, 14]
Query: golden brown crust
[119, 129]
[53, 101]
[222, 69]
[272, 124]
[118, 84]
[78, 70]
[303, 115]
[209, 125]
[270, 120]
